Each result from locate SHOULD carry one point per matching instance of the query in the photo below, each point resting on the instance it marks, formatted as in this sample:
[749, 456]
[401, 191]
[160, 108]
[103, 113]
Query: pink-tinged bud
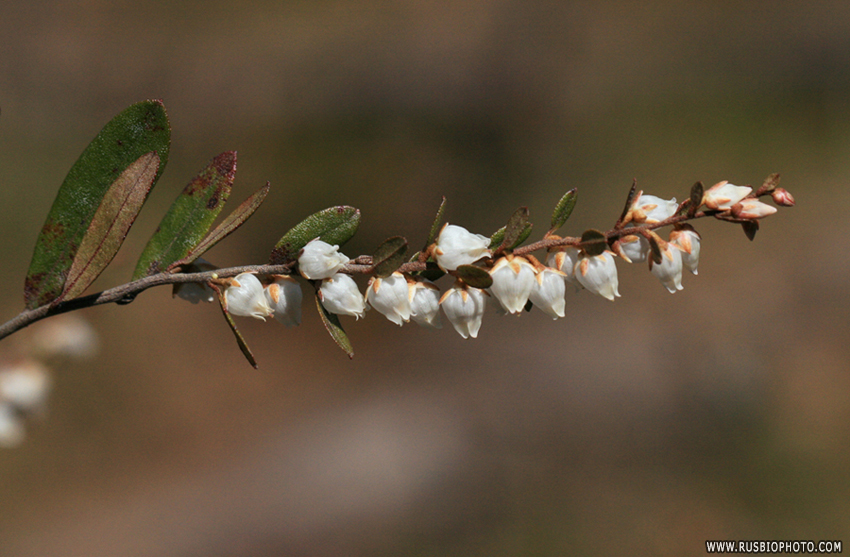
[284, 296]
[513, 279]
[464, 306]
[320, 260]
[246, 297]
[458, 246]
[751, 208]
[339, 295]
[723, 195]
[391, 297]
[425, 304]
[688, 240]
[548, 292]
[782, 198]
[669, 271]
[598, 274]
[565, 260]
[652, 209]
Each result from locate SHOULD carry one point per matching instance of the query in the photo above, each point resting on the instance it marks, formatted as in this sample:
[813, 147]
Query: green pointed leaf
[437, 225]
[498, 237]
[517, 225]
[240, 340]
[593, 242]
[139, 129]
[630, 199]
[475, 276]
[190, 216]
[563, 209]
[110, 224]
[389, 256]
[335, 225]
[334, 327]
[695, 198]
[750, 228]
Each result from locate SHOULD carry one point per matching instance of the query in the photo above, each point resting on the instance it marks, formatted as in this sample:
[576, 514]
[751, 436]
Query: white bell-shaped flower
[246, 297]
[464, 306]
[339, 295]
[634, 248]
[688, 240]
[669, 271]
[598, 274]
[25, 385]
[390, 296]
[195, 292]
[320, 260]
[564, 260]
[284, 296]
[548, 293]
[723, 195]
[513, 279]
[458, 246]
[652, 209]
[425, 304]
[752, 209]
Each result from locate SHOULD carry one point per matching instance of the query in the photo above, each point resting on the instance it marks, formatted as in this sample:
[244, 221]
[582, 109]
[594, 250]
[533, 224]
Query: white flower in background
[723, 195]
[339, 295]
[652, 209]
[634, 248]
[425, 303]
[195, 292]
[464, 306]
[458, 246]
[246, 297]
[752, 209]
[284, 296]
[11, 427]
[25, 385]
[688, 240]
[599, 275]
[391, 297]
[548, 293]
[565, 260]
[320, 260]
[669, 271]
[65, 336]
[513, 279]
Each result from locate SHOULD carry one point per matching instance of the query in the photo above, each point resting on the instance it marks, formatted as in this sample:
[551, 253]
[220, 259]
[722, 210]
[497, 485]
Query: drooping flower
[458, 246]
[246, 297]
[464, 306]
[513, 280]
[688, 240]
[652, 209]
[669, 271]
[634, 248]
[391, 297]
[564, 260]
[320, 260]
[284, 296]
[339, 295]
[598, 274]
[548, 293]
[723, 195]
[425, 303]
[752, 209]
[195, 292]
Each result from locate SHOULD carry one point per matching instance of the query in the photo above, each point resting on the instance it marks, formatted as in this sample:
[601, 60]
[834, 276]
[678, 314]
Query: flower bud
[391, 297]
[669, 271]
[565, 260]
[284, 296]
[339, 295]
[320, 260]
[782, 197]
[752, 209]
[652, 209]
[598, 274]
[548, 293]
[688, 240]
[723, 195]
[458, 246]
[464, 306]
[425, 303]
[246, 297]
[513, 279]
[634, 248]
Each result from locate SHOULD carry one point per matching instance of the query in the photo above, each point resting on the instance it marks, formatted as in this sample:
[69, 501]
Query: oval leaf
[335, 225]
[190, 216]
[475, 276]
[695, 199]
[333, 326]
[110, 224]
[389, 256]
[139, 129]
[593, 242]
[563, 209]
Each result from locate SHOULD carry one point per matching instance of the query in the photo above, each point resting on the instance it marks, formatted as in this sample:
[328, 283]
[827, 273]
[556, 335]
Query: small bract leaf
[437, 225]
[630, 199]
[697, 191]
[335, 226]
[654, 250]
[593, 242]
[770, 183]
[139, 129]
[563, 209]
[750, 228]
[389, 256]
[240, 340]
[190, 217]
[110, 224]
[333, 326]
[475, 276]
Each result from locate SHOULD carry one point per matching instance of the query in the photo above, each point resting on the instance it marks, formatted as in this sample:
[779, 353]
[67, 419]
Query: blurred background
[640, 427]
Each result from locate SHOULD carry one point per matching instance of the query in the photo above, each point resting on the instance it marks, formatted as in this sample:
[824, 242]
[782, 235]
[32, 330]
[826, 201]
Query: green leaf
[240, 340]
[110, 224]
[333, 326]
[563, 209]
[593, 242]
[517, 225]
[770, 183]
[335, 225]
[389, 256]
[695, 199]
[475, 276]
[438, 224]
[139, 129]
[190, 216]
